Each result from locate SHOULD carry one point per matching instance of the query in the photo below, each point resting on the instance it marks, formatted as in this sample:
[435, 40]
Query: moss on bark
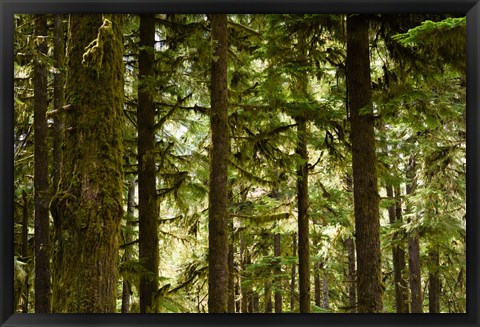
[88, 205]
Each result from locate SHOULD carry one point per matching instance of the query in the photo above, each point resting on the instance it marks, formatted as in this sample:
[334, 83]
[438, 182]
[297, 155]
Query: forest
[240, 163]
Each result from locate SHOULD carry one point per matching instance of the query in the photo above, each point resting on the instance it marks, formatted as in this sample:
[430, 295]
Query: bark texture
[128, 254]
[147, 187]
[277, 273]
[87, 208]
[414, 251]
[25, 249]
[58, 97]
[434, 286]
[366, 198]
[231, 270]
[303, 218]
[293, 273]
[398, 255]
[352, 290]
[42, 196]
[218, 195]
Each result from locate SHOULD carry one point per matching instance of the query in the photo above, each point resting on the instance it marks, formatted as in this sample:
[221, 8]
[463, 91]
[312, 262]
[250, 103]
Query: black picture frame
[10, 7]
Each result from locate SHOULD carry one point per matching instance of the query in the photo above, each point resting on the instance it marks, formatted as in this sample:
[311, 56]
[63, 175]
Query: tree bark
[352, 274]
[243, 288]
[218, 200]
[58, 97]
[231, 270]
[303, 218]
[414, 250]
[403, 284]
[277, 272]
[42, 196]
[25, 247]
[147, 186]
[292, 274]
[398, 256]
[87, 208]
[268, 297]
[366, 198]
[128, 255]
[317, 285]
[434, 288]
[352, 290]
[325, 293]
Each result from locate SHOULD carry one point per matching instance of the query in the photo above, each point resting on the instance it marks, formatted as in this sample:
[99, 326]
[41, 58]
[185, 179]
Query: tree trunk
[434, 287]
[317, 285]
[25, 250]
[352, 290]
[268, 297]
[88, 205]
[398, 256]
[352, 274]
[58, 97]
[366, 198]
[231, 270]
[325, 296]
[128, 255]
[303, 217]
[217, 201]
[255, 302]
[243, 288]
[58, 118]
[42, 197]
[147, 186]
[414, 250]
[277, 272]
[403, 285]
[292, 274]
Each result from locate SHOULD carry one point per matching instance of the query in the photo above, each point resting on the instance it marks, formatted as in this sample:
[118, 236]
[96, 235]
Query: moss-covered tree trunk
[147, 195]
[87, 208]
[218, 196]
[366, 198]
[42, 196]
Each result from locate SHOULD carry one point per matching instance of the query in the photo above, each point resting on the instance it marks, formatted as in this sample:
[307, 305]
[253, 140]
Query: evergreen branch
[272, 217]
[171, 111]
[253, 177]
[125, 245]
[244, 28]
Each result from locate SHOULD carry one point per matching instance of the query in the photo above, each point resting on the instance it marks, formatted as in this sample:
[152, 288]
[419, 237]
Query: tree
[42, 196]
[218, 195]
[414, 248]
[398, 253]
[366, 198]
[147, 190]
[88, 205]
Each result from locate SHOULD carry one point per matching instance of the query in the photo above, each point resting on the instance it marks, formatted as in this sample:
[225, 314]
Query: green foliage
[418, 70]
